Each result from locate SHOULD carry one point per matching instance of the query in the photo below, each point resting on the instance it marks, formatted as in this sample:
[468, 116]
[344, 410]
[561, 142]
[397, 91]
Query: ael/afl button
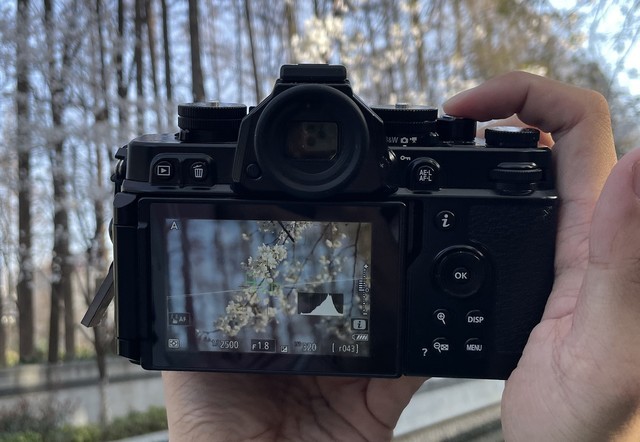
[460, 271]
[424, 174]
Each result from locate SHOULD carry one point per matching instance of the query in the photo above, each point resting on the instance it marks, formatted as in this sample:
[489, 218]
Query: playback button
[165, 171]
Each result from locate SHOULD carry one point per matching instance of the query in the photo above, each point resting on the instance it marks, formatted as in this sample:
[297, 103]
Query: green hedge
[44, 423]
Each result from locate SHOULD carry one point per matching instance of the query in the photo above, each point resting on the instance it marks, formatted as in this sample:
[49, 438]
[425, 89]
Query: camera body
[316, 235]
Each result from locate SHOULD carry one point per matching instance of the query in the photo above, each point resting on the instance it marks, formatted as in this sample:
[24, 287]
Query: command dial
[211, 121]
[515, 137]
[457, 130]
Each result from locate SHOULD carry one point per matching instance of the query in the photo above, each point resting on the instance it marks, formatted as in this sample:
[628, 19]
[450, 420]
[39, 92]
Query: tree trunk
[3, 334]
[97, 253]
[167, 62]
[61, 267]
[211, 13]
[24, 289]
[151, 41]
[239, 52]
[137, 57]
[197, 81]
[252, 49]
[416, 26]
[123, 85]
[292, 28]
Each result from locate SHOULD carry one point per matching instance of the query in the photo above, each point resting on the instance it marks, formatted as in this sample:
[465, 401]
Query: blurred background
[78, 79]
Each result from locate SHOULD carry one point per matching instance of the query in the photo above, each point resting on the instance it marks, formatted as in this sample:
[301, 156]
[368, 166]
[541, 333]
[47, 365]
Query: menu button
[474, 347]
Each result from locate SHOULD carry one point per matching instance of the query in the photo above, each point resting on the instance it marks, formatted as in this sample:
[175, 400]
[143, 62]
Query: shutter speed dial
[407, 126]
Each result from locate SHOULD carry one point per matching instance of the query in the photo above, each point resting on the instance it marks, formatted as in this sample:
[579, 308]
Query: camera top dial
[209, 122]
[407, 126]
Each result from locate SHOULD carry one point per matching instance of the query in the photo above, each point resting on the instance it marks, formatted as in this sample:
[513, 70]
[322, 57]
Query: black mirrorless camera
[317, 235]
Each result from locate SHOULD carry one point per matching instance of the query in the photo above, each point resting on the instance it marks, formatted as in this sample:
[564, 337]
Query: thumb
[608, 309]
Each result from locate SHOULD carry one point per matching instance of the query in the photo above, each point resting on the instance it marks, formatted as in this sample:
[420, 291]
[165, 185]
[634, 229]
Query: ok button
[460, 271]
[461, 275]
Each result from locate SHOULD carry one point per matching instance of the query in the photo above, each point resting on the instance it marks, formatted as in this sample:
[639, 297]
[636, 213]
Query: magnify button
[441, 317]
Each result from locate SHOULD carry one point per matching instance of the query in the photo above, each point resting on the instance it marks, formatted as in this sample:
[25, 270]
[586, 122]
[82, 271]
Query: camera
[313, 234]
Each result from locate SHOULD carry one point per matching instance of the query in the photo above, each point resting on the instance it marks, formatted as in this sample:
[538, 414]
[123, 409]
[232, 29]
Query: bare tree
[239, 52]
[413, 50]
[291, 28]
[96, 253]
[137, 57]
[121, 73]
[252, 49]
[58, 69]
[197, 82]
[167, 59]
[150, 23]
[24, 287]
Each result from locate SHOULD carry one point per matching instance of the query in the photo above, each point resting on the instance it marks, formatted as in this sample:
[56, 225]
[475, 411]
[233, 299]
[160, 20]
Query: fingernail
[636, 178]
[455, 99]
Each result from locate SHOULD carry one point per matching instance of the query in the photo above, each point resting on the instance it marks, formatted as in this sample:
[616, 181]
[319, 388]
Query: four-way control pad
[460, 271]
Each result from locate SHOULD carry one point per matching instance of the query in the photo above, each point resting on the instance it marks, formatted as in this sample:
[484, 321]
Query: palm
[559, 359]
[292, 407]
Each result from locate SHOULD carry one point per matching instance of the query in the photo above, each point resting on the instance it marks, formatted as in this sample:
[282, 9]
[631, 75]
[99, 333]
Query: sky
[610, 24]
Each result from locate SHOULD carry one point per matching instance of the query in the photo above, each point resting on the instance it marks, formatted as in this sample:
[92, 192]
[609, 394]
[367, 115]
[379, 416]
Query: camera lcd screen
[285, 287]
[277, 286]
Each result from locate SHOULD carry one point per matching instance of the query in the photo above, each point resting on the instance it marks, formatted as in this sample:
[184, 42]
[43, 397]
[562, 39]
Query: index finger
[579, 122]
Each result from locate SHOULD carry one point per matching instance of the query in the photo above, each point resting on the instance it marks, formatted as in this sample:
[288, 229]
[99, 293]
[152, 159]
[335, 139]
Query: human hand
[579, 376]
[239, 407]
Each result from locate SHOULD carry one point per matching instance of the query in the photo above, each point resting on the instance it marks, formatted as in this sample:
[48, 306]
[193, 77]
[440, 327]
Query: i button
[445, 220]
